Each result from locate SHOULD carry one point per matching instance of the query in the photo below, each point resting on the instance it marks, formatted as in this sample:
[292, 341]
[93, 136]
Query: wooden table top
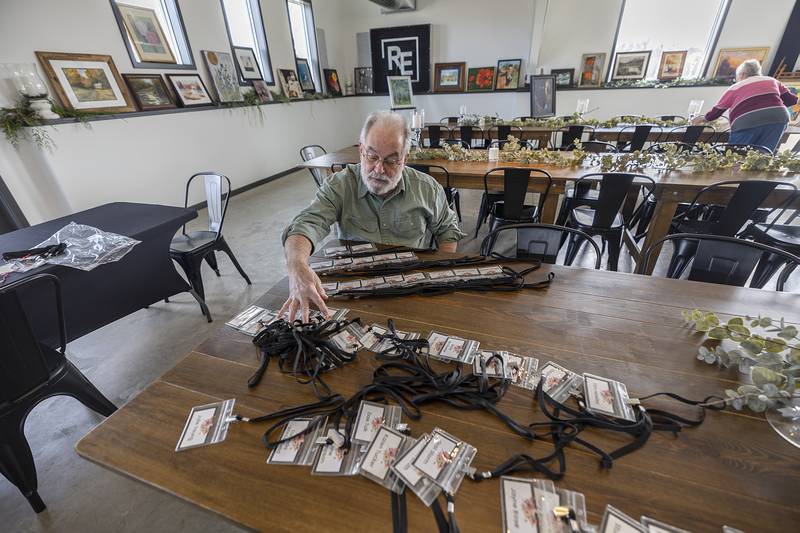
[734, 469]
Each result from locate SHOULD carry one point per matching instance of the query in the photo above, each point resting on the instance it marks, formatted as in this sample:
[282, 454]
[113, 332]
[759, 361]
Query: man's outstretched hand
[305, 287]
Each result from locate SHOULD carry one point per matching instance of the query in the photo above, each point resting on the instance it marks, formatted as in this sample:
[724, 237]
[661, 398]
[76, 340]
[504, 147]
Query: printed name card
[206, 425]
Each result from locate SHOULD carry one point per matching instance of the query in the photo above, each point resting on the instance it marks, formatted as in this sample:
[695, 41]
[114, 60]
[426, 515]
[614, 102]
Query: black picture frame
[302, 61]
[520, 79]
[332, 90]
[177, 94]
[364, 89]
[135, 94]
[386, 43]
[560, 72]
[245, 80]
[543, 96]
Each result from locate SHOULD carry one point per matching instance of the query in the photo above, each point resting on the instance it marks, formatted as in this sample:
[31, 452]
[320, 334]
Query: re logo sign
[401, 56]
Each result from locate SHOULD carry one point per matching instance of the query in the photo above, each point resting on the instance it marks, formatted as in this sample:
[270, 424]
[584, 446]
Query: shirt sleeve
[787, 96]
[446, 228]
[314, 222]
[720, 107]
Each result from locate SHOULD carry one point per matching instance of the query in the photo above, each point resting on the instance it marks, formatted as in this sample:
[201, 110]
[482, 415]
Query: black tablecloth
[98, 297]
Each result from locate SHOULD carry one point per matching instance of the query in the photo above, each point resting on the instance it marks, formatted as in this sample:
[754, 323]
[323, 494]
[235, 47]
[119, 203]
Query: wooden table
[672, 187]
[734, 469]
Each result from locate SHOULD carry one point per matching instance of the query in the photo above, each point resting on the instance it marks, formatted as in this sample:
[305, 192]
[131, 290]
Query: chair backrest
[660, 148]
[537, 241]
[569, 137]
[741, 149]
[450, 121]
[501, 133]
[218, 192]
[725, 260]
[457, 142]
[435, 134]
[336, 167]
[747, 197]
[310, 152]
[614, 189]
[426, 169]
[515, 187]
[598, 147]
[691, 134]
[639, 135]
[23, 366]
[468, 134]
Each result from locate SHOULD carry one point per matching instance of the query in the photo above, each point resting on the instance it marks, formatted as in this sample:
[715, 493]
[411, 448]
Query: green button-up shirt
[414, 214]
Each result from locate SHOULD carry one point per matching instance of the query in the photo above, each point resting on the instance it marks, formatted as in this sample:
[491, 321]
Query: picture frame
[794, 111]
[146, 34]
[224, 78]
[290, 86]
[728, 59]
[332, 81]
[630, 65]
[449, 77]
[149, 91]
[508, 75]
[263, 91]
[86, 82]
[671, 65]
[190, 91]
[362, 77]
[592, 67]
[401, 94]
[480, 79]
[304, 76]
[247, 64]
[543, 95]
[564, 76]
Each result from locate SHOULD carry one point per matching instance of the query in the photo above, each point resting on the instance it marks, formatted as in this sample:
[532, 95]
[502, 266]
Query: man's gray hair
[389, 118]
[748, 68]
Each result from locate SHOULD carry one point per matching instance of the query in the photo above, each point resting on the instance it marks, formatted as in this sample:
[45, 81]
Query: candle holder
[29, 84]
[417, 124]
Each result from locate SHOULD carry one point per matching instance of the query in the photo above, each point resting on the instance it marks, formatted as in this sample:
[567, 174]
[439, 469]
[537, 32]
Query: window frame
[713, 39]
[316, 66]
[175, 16]
[254, 4]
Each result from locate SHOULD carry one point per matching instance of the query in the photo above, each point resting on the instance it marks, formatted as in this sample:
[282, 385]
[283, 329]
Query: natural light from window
[246, 29]
[167, 15]
[302, 26]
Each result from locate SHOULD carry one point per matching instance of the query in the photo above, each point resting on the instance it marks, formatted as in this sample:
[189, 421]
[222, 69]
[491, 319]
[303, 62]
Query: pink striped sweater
[753, 102]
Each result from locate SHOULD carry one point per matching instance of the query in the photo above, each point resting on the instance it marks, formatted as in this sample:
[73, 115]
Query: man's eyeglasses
[389, 163]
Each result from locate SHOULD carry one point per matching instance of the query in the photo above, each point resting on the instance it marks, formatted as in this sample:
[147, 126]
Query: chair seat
[584, 216]
[192, 241]
[528, 211]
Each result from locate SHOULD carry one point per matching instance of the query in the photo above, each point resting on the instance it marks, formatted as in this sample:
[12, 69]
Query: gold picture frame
[730, 58]
[145, 33]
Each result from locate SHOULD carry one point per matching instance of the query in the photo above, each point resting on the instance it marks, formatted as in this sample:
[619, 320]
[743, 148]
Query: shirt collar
[363, 191]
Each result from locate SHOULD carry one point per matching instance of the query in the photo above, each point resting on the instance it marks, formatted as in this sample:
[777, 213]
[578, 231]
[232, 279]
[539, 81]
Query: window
[676, 25]
[304, 39]
[246, 28]
[154, 34]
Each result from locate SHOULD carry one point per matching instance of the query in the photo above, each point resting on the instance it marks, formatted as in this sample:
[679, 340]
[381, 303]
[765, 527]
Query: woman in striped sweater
[756, 106]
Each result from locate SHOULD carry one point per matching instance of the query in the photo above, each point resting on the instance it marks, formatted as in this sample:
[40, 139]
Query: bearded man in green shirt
[378, 200]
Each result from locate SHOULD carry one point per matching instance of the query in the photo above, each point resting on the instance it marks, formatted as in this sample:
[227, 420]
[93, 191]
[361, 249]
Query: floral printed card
[289, 452]
[206, 425]
[381, 454]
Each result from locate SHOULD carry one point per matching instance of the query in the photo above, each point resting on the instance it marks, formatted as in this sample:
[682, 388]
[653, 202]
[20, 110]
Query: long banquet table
[733, 469]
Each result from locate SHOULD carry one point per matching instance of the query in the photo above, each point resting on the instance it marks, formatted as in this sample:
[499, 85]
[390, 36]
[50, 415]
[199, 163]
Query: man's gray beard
[388, 183]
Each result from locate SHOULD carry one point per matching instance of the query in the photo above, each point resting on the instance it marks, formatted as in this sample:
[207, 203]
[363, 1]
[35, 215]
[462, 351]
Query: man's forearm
[449, 247]
[297, 249]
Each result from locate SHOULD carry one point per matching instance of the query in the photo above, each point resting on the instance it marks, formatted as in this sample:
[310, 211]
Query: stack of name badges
[452, 349]
[416, 279]
[345, 264]
[521, 370]
[255, 318]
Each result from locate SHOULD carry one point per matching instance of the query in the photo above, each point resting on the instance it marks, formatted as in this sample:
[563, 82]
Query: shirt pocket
[409, 227]
[355, 226]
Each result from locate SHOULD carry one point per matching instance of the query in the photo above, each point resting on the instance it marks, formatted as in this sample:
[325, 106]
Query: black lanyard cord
[399, 512]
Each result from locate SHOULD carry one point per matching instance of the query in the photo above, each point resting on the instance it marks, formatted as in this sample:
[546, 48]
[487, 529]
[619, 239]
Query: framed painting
[246, 63]
[564, 76]
[223, 76]
[592, 70]
[145, 33]
[400, 93]
[508, 74]
[305, 77]
[730, 58]
[332, 81]
[363, 80]
[262, 90]
[289, 83]
[671, 66]
[190, 90]
[449, 77]
[630, 65]
[543, 96]
[480, 79]
[87, 82]
[794, 87]
[149, 91]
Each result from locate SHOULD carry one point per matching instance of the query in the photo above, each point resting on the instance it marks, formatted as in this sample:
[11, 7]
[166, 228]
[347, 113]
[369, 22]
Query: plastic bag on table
[88, 247]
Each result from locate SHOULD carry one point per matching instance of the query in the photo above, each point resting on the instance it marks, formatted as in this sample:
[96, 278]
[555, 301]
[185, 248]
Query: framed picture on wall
[332, 81]
[449, 77]
[223, 76]
[630, 65]
[564, 76]
[146, 34]
[480, 79]
[508, 74]
[543, 96]
[149, 91]
[247, 63]
[88, 82]
[592, 66]
[671, 66]
[400, 92]
[262, 90]
[190, 90]
[289, 84]
[304, 75]
[730, 58]
[363, 80]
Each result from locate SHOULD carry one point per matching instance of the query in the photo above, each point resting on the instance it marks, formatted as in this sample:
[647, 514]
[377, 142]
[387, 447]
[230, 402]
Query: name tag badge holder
[206, 425]
[452, 349]
[373, 339]
[521, 370]
[298, 448]
[654, 526]
[381, 453]
[371, 416]
[528, 505]
[253, 319]
[615, 521]
[603, 396]
[569, 500]
[445, 460]
[425, 489]
[558, 382]
[333, 460]
[348, 339]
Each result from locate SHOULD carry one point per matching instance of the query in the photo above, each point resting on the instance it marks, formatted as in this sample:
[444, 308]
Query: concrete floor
[123, 358]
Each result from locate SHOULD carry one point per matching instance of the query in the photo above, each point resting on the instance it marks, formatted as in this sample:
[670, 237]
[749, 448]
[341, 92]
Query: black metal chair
[536, 241]
[785, 236]
[450, 121]
[569, 136]
[605, 218]
[452, 194]
[691, 134]
[310, 152]
[501, 133]
[705, 218]
[473, 136]
[190, 249]
[639, 135]
[511, 208]
[586, 194]
[436, 134]
[337, 167]
[31, 373]
[741, 149]
[724, 260]
[597, 147]
[662, 147]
